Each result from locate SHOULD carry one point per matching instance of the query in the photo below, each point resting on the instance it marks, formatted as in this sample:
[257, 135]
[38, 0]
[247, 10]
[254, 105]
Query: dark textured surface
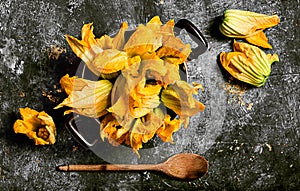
[248, 148]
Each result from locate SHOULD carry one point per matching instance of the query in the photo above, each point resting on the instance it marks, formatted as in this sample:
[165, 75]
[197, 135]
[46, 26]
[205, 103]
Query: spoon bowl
[185, 166]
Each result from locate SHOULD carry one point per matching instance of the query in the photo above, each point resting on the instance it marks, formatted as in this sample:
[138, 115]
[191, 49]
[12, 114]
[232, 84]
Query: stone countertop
[250, 136]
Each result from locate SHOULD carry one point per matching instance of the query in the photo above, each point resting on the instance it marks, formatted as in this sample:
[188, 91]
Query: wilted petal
[120, 110]
[173, 47]
[169, 126]
[150, 42]
[87, 34]
[172, 74]
[112, 130]
[235, 64]
[119, 40]
[105, 42]
[259, 39]
[143, 98]
[154, 70]
[255, 54]
[133, 60]
[179, 98]
[144, 128]
[154, 24]
[167, 29]
[80, 48]
[109, 61]
[70, 84]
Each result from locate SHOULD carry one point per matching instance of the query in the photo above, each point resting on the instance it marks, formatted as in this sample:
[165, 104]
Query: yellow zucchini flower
[158, 39]
[85, 97]
[142, 130]
[112, 130]
[38, 126]
[104, 55]
[248, 25]
[248, 63]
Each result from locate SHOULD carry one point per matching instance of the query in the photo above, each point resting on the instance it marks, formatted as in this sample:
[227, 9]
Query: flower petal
[111, 129]
[87, 34]
[109, 61]
[166, 131]
[144, 128]
[80, 48]
[29, 116]
[259, 39]
[105, 42]
[167, 29]
[179, 98]
[70, 84]
[119, 40]
[150, 42]
[173, 47]
[254, 54]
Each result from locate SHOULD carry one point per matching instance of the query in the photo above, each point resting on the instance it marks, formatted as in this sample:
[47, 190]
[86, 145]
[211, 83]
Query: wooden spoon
[181, 166]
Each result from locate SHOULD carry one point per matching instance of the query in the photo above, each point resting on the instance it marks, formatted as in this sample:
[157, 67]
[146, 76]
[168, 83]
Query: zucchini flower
[38, 126]
[248, 25]
[248, 63]
[104, 55]
[85, 97]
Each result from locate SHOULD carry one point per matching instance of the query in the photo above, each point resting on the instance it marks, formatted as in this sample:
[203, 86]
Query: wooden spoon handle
[109, 167]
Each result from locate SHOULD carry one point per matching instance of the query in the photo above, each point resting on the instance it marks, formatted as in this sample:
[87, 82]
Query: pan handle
[72, 128]
[194, 34]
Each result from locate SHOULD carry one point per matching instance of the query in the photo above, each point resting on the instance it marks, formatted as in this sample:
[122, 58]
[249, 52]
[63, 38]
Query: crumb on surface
[55, 51]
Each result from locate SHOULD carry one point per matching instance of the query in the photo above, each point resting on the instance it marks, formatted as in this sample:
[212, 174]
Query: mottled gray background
[250, 137]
